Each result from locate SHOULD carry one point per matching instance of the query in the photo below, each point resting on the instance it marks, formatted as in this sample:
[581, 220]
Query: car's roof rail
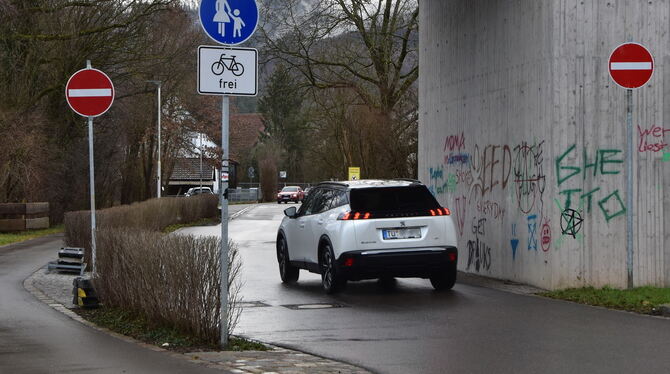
[340, 184]
[408, 180]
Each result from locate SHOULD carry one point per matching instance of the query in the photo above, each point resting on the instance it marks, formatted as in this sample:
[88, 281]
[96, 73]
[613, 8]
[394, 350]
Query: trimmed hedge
[172, 280]
[150, 215]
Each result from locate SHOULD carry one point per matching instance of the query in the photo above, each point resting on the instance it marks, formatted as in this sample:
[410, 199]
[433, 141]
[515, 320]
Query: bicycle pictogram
[220, 66]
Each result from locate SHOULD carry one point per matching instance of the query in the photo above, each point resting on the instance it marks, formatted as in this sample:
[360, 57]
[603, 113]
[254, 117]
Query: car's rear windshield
[289, 189]
[389, 199]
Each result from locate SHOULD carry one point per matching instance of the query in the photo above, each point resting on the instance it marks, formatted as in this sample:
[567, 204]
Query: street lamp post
[158, 172]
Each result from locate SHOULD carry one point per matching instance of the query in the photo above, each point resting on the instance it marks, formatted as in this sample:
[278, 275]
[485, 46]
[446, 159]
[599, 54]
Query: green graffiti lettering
[604, 159]
[589, 197]
[574, 169]
[607, 212]
[568, 198]
[594, 165]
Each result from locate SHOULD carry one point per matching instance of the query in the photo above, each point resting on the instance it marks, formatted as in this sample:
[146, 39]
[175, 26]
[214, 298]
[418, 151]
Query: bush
[150, 215]
[173, 280]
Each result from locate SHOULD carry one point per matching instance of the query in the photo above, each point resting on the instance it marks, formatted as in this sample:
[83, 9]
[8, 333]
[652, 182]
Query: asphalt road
[412, 329]
[37, 339]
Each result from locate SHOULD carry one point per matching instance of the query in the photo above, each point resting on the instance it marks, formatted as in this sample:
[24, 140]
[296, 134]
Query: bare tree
[366, 47]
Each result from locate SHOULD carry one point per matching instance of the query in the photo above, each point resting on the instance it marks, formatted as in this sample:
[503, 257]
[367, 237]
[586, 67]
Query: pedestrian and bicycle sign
[229, 22]
[89, 92]
[227, 71]
[631, 65]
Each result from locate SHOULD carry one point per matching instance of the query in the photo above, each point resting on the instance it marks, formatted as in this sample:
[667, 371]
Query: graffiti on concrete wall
[453, 146]
[651, 139]
[491, 209]
[605, 162]
[532, 232]
[479, 254]
[439, 184]
[571, 222]
[499, 184]
[460, 209]
[491, 169]
[514, 242]
[528, 175]
[545, 235]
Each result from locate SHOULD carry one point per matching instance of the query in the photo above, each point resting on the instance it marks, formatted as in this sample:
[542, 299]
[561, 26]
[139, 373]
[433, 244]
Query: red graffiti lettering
[456, 142]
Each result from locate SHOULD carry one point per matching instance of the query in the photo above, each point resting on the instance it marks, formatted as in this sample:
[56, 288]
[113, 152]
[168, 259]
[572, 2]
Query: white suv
[368, 229]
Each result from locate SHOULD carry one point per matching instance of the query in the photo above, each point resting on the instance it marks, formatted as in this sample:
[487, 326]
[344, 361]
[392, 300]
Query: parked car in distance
[366, 229]
[290, 193]
[198, 190]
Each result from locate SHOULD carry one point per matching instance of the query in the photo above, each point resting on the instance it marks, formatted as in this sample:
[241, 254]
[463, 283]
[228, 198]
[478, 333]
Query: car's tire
[387, 283]
[278, 202]
[287, 272]
[332, 280]
[445, 280]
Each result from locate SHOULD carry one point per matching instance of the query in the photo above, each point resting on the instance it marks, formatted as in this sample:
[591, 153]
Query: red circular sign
[631, 65]
[89, 92]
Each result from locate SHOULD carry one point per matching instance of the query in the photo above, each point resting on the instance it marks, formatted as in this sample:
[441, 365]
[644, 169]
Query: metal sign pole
[158, 188]
[224, 219]
[91, 172]
[629, 186]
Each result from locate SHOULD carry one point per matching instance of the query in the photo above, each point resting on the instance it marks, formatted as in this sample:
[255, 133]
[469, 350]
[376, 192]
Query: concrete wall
[520, 123]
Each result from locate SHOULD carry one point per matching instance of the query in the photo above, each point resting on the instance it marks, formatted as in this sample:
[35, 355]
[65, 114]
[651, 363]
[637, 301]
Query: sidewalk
[55, 290]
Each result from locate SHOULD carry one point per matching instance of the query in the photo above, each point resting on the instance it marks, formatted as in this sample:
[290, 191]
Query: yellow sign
[354, 173]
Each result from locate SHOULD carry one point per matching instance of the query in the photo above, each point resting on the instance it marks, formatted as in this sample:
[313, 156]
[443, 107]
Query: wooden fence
[24, 216]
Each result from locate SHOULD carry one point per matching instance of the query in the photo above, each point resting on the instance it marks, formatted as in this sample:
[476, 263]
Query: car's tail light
[348, 216]
[349, 262]
[452, 256]
[440, 212]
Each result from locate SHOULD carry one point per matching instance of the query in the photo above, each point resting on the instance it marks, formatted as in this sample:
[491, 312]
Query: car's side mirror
[291, 212]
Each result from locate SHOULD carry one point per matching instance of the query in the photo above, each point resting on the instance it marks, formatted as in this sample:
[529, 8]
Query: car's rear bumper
[367, 264]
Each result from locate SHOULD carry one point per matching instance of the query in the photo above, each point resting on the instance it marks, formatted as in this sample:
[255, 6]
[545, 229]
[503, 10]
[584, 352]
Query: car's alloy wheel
[287, 272]
[331, 280]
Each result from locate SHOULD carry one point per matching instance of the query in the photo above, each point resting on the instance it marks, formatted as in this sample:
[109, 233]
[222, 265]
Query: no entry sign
[89, 92]
[631, 65]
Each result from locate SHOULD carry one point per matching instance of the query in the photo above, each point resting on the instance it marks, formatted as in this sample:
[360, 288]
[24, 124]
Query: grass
[136, 326]
[21, 236]
[200, 222]
[646, 300]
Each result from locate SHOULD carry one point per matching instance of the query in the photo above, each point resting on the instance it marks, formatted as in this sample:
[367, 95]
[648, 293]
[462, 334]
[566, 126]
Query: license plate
[409, 233]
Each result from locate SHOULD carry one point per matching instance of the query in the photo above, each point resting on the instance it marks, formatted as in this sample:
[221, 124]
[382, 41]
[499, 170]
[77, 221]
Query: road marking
[89, 92]
[631, 66]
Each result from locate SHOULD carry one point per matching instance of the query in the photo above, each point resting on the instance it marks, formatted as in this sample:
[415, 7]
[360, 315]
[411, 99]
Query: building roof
[244, 132]
[188, 169]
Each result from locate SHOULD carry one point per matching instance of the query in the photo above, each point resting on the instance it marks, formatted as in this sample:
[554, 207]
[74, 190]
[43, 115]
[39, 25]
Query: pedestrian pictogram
[89, 92]
[631, 65]
[229, 22]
